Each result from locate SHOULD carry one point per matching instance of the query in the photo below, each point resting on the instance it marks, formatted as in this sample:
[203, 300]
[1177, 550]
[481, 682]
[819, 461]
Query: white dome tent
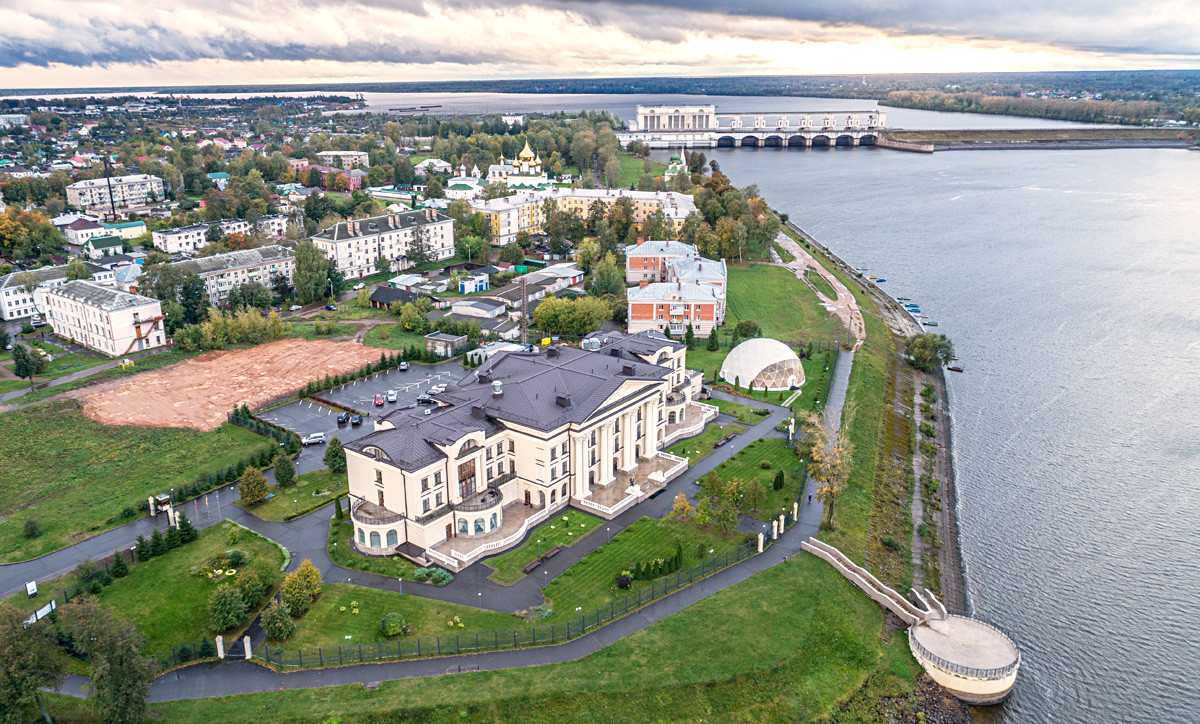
[765, 364]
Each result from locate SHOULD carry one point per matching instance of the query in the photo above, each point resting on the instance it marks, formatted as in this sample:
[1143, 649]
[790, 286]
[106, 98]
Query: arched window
[564, 490]
[463, 526]
[391, 538]
[493, 526]
[374, 539]
[466, 446]
[553, 495]
[478, 525]
[362, 539]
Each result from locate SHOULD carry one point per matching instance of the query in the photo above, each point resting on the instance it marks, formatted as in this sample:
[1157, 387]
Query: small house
[445, 345]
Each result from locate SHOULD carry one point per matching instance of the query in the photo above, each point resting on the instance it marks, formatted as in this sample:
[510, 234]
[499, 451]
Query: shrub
[119, 568]
[624, 580]
[236, 557]
[765, 465]
[106, 580]
[391, 624]
[32, 528]
[928, 430]
[891, 544]
[295, 595]
[183, 654]
[95, 587]
[777, 484]
[277, 621]
[254, 584]
[310, 576]
[84, 569]
[128, 511]
[207, 649]
[226, 608]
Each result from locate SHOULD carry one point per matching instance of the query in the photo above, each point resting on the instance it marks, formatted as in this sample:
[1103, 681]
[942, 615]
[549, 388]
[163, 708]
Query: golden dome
[526, 153]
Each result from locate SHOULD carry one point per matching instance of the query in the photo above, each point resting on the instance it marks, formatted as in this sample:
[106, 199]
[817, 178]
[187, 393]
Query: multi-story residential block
[187, 239]
[675, 305]
[274, 226]
[699, 270]
[647, 260]
[523, 435]
[346, 159]
[107, 320]
[222, 272]
[525, 211]
[122, 193]
[17, 302]
[355, 245]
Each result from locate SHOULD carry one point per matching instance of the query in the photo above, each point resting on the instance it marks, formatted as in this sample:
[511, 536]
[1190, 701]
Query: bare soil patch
[199, 392]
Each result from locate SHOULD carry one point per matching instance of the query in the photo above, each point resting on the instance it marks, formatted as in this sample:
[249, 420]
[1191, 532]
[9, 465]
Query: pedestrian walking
[810, 497]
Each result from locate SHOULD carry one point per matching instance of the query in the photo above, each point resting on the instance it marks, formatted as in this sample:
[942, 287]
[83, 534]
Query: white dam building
[703, 127]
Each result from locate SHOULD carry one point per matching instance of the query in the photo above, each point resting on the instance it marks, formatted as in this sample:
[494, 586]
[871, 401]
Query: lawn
[508, 567]
[634, 167]
[784, 254]
[746, 465]
[744, 413]
[310, 491]
[326, 625]
[780, 303]
[306, 330]
[349, 310]
[589, 584]
[143, 364]
[697, 448]
[792, 643]
[821, 283]
[168, 603]
[341, 554]
[707, 362]
[84, 473]
[396, 337]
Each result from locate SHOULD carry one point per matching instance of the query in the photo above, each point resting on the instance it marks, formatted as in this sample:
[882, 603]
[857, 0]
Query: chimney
[484, 378]
[552, 351]
[640, 240]
[562, 399]
[477, 412]
[497, 388]
[627, 370]
[643, 283]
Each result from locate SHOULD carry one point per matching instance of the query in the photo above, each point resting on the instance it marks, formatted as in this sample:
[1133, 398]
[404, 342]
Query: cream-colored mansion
[519, 438]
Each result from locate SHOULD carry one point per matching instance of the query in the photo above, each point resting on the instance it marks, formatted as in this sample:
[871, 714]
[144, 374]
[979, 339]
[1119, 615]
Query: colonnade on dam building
[703, 127]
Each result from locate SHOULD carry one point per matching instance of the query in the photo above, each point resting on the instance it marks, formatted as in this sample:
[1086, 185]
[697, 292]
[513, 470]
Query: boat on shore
[931, 324]
[955, 368]
[903, 299]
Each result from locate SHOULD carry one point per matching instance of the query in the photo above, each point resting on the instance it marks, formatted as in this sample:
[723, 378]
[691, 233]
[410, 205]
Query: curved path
[244, 677]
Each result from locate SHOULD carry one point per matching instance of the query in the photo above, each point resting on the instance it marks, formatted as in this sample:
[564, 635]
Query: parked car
[295, 308]
[278, 309]
[391, 395]
[358, 286]
[437, 389]
[356, 421]
[424, 400]
[343, 418]
[38, 322]
[331, 307]
[404, 367]
[379, 400]
[316, 438]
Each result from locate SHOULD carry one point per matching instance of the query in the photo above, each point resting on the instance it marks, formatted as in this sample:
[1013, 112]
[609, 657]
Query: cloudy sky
[74, 43]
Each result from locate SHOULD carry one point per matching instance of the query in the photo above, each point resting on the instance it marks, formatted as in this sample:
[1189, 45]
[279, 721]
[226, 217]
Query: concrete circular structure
[764, 364]
[970, 659]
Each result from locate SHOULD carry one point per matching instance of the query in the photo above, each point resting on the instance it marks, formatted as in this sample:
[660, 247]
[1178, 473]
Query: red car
[379, 400]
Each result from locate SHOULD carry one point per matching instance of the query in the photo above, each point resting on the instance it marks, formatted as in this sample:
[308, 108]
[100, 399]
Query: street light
[401, 580]
[609, 531]
[481, 601]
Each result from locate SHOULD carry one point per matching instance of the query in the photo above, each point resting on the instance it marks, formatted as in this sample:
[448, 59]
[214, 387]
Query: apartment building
[345, 159]
[122, 193]
[674, 305]
[356, 245]
[647, 260]
[222, 272]
[274, 226]
[16, 302]
[525, 211]
[187, 239]
[107, 320]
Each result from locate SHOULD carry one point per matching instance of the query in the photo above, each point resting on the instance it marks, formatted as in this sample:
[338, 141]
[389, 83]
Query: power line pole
[112, 204]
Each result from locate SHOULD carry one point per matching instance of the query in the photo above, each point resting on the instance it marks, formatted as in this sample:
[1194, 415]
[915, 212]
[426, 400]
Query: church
[524, 173]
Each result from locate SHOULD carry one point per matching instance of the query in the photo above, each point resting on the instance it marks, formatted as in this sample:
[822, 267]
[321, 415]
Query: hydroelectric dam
[703, 127]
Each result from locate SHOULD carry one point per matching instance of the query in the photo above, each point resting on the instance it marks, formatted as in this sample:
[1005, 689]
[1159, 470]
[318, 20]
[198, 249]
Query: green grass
[784, 254]
[306, 330]
[508, 567]
[633, 168]
[397, 338]
[590, 584]
[326, 625]
[11, 385]
[343, 555]
[746, 465]
[75, 475]
[144, 364]
[793, 643]
[699, 447]
[300, 497]
[707, 362]
[821, 283]
[168, 603]
[744, 413]
[349, 310]
[780, 303]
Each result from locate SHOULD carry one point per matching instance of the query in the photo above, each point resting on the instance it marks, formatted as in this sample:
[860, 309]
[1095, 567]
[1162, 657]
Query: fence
[510, 639]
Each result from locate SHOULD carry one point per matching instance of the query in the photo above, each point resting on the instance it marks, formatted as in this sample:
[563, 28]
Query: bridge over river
[703, 127]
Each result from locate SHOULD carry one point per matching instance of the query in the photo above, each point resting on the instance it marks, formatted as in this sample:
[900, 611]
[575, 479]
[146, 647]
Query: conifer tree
[158, 545]
[142, 549]
[119, 568]
[172, 538]
[187, 531]
[285, 472]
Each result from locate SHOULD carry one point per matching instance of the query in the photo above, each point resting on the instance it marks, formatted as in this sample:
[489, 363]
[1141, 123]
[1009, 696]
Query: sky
[94, 43]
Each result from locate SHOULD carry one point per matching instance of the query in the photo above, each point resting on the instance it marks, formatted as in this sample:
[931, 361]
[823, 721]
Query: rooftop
[379, 224]
[660, 247]
[673, 292]
[106, 298]
[235, 259]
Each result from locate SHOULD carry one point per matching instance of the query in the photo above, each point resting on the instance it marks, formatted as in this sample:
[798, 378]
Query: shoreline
[953, 578]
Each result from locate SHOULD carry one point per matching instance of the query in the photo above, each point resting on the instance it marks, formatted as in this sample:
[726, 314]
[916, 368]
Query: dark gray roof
[235, 259]
[374, 225]
[531, 382]
[388, 295]
[643, 343]
[106, 298]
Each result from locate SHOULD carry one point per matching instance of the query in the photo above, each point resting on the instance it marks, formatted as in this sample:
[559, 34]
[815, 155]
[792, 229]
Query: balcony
[371, 514]
[476, 502]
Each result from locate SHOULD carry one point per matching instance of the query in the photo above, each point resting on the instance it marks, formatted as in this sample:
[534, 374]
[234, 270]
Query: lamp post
[609, 531]
[401, 580]
[481, 601]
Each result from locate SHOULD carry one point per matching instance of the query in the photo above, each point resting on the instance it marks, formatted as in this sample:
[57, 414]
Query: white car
[437, 389]
[316, 438]
[358, 286]
[295, 308]
[391, 396]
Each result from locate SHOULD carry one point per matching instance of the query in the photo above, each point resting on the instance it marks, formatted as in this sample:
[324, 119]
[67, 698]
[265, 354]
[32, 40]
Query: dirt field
[199, 392]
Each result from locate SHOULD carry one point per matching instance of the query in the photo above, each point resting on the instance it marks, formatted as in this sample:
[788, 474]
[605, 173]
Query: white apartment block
[274, 226]
[524, 211]
[222, 272]
[127, 192]
[347, 159]
[17, 303]
[355, 245]
[187, 239]
[107, 320]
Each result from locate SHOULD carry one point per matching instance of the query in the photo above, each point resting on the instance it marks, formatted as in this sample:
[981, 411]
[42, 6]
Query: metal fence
[509, 639]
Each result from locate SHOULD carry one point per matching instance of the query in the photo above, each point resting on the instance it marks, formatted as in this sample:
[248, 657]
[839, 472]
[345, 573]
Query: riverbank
[952, 574]
[1104, 137]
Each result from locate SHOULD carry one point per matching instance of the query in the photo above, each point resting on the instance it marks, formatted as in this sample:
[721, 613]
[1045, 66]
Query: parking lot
[306, 417]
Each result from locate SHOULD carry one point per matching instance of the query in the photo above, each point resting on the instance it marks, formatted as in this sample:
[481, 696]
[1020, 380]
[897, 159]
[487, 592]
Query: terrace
[650, 476]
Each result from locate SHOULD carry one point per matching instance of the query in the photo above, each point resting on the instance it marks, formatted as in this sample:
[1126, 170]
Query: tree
[172, 538]
[337, 511]
[76, 269]
[253, 486]
[681, 508]
[412, 319]
[714, 344]
[748, 329]
[310, 577]
[925, 351]
[187, 531]
[727, 516]
[142, 549]
[335, 456]
[277, 621]
[119, 568]
[311, 274]
[512, 254]
[383, 265]
[281, 286]
[27, 364]
[829, 452]
[121, 675]
[470, 246]
[29, 661]
[28, 281]
[608, 277]
[363, 298]
[704, 513]
[226, 608]
[285, 471]
[434, 190]
[294, 595]
[755, 494]
[5, 338]
[777, 483]
[419, 252]
[193, 297]
[158, 544]
[689, 337]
